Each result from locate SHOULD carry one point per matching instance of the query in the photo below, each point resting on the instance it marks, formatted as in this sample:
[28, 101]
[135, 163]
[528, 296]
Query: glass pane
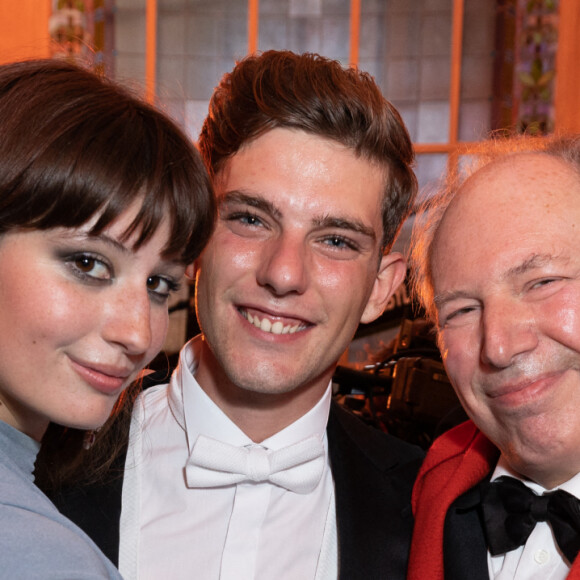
[198, 41]
[321, 26]
[406, 46]
[129, 33]
[477, 70]
[430, 169]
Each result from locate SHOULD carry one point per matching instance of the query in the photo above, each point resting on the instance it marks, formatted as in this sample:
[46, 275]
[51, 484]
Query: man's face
[293, 265]
[506, 280]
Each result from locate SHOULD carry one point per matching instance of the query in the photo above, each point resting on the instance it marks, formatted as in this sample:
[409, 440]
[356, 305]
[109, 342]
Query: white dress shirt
[242, 532]
[540, 557]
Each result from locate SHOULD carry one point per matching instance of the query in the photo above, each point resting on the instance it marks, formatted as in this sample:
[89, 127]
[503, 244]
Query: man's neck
[546, 476]
[259, 415]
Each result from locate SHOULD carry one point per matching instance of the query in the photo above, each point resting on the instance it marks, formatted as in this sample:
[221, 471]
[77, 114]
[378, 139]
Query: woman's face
[80, 316]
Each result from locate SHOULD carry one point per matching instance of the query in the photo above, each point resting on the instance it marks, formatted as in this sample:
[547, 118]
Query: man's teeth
[275, 328]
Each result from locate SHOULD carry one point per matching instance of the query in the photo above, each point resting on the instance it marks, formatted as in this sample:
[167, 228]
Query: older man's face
[506, 277]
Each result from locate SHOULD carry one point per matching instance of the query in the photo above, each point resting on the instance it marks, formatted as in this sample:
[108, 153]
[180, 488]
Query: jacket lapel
[464, 546]
[373, 476]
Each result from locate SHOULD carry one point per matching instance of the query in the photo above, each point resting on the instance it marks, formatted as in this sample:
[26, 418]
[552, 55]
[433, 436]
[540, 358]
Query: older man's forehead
[514, 183]
[528, 210]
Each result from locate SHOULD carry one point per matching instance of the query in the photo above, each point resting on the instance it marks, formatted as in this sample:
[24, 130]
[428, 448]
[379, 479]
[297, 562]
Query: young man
[498, 268]
[242, 467]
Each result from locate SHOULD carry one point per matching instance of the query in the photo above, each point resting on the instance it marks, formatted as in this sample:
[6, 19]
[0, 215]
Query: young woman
[103, 202]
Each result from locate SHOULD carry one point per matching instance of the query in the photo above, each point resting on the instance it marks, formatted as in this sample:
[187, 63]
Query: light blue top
[36, 540]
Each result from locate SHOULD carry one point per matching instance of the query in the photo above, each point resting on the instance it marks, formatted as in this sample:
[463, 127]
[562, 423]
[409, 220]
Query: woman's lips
[107, 380]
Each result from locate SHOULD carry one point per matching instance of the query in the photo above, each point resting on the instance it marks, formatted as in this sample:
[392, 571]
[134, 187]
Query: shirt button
[541, 556]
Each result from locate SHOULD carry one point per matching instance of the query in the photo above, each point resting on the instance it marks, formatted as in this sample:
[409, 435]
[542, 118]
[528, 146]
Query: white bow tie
[297, 468]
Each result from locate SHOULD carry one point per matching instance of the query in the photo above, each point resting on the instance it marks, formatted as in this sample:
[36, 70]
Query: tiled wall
[404, 44]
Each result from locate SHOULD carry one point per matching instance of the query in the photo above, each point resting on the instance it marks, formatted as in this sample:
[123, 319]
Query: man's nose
[508, 331]
[283, 265]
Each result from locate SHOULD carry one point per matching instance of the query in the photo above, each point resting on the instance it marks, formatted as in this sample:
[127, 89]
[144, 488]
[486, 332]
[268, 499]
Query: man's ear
[191, 270]
[392, 272]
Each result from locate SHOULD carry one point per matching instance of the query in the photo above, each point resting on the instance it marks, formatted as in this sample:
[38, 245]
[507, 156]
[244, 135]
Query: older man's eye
[544, 282]
[455, 316]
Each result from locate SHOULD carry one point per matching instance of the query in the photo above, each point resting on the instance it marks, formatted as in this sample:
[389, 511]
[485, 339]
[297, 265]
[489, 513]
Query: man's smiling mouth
[274, 327]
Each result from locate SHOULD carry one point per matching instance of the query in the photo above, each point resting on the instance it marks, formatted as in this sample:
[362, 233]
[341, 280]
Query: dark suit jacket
[464, 545]
[462, 458]
[373, 475]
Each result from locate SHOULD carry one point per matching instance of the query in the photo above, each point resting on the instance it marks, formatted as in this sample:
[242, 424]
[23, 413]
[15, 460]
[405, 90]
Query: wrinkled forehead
[523, 205]
[523, 188]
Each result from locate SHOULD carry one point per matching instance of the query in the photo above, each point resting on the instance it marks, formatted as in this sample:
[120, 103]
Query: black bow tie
[511, 511]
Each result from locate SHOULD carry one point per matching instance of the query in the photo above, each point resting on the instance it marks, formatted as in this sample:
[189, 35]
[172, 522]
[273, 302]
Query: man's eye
[339, 242]
[251, 220]
[91, 266]
[544, 282]
[245, 218]
[454, 316]
[461, 311]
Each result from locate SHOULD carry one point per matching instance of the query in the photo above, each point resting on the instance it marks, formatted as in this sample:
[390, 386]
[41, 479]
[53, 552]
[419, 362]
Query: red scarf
[457, 461]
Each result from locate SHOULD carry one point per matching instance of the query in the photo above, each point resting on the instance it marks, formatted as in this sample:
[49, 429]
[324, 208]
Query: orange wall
[567, 97]
[24, 29]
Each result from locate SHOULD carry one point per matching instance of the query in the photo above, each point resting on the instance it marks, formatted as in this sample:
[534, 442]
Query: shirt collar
[503, 468]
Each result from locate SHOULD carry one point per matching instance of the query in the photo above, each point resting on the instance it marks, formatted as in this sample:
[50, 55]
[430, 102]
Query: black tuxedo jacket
[464, 545]
[373, 475]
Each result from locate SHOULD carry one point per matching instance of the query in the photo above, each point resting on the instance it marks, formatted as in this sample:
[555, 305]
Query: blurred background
[457, 70]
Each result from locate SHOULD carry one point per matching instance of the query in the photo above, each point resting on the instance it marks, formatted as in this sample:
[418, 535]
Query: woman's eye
[161, 287]
[92, 267]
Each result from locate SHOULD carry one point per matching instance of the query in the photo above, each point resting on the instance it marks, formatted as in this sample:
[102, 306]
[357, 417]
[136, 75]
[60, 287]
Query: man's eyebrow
[531, 263]
[255, 201]
[259, 202]
[528, 264]
[346, 224]
[441, 299]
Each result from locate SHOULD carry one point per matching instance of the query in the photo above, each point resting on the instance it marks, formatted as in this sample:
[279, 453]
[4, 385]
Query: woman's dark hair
[317, 95]
[76, 147]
